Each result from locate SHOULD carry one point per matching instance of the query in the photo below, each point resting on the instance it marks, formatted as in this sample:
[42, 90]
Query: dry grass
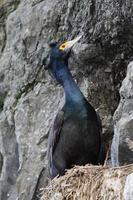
[88, 183]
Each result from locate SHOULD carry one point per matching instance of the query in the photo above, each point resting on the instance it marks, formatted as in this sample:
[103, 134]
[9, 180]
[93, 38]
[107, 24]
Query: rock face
[29, 99]
[122, 146]
[128, 190]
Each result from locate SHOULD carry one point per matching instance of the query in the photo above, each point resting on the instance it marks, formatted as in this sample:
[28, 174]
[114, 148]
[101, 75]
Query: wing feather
[53, 139]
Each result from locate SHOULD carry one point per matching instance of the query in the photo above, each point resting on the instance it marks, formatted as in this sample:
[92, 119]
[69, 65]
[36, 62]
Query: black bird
[75, 138]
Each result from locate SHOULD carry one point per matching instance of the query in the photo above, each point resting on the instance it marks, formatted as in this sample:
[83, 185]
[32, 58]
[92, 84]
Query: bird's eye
[63, 46]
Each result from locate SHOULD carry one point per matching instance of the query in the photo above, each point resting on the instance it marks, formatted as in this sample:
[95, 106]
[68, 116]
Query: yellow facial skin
[63, 46]
[69, 44]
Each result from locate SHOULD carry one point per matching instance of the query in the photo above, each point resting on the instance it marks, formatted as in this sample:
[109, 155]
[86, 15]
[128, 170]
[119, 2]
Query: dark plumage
[75, 136]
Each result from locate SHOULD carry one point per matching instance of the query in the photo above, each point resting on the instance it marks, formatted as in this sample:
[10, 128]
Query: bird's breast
[78, 112]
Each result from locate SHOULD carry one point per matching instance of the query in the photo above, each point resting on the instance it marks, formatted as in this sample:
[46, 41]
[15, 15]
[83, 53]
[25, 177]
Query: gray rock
[122, 146]
[128, 189]
[9, 155]
[57, 196]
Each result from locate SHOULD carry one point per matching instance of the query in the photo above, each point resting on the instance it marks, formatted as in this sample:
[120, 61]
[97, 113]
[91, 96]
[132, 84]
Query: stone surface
[57, 196]
[122, 146]
[29, 98]
[128, 189]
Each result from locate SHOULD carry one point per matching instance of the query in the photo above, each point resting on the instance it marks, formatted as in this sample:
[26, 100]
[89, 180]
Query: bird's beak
[69, 44]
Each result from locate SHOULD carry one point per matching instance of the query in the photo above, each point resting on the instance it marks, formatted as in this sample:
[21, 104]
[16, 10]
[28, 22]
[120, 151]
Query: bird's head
[58, 58]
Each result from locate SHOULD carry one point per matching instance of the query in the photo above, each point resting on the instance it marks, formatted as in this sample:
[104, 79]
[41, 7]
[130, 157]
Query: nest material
[89, 183]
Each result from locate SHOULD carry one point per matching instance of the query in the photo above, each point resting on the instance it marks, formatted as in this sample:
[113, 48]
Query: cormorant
[75, 138]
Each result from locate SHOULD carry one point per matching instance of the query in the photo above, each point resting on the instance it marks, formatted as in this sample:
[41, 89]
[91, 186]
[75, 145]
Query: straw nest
[89, 183]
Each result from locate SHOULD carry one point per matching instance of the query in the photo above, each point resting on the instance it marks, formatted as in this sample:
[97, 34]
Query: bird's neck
[72, 91]
[73, 95]
[74, 99]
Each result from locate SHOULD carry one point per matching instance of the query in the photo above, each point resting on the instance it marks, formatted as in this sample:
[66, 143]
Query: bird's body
[75, 137]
